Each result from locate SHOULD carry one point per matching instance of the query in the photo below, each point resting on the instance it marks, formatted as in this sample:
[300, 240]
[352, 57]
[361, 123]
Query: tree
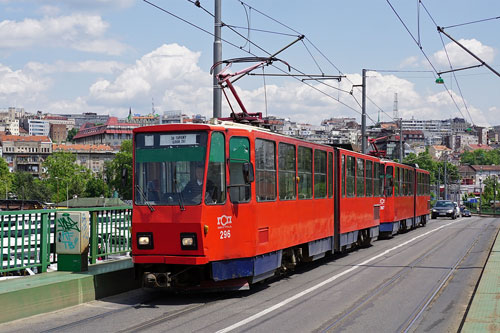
[481, 157]
[64, 176]
[488, 193]
[71, 133]
[97, 187]
[27, 187]
[435, 168]
[119, 171]
[5, 178]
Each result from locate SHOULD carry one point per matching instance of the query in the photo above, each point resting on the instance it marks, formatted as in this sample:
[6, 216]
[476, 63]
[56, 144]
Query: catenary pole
[363, 114]
[400, 140]
[217, 97]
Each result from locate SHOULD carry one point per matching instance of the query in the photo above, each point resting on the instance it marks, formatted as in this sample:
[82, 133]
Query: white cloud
[460, 58]
[171, 73]
[89, 66]
[92, 4]
[171, 70]
[48, 10]
[19, 83]
[171, 76]
[79, 31]
[412, 61]
[106, 46]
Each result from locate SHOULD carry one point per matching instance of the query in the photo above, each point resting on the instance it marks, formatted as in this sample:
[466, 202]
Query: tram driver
[193, 189]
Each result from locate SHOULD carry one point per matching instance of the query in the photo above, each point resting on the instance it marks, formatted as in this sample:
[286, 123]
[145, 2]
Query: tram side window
[360, 177]
[216, 173]
[265, 170]
[389, 183]
[369, 178]
[305, 172]
[412, 184]
[350, 174]
[408, 181]
[319, 174]
[376, 179]
[342, 174]
[330, 175]
[239, 155]
[396, 182]
[418, 183]
[286, 174]
[403, 182]
[428, 184]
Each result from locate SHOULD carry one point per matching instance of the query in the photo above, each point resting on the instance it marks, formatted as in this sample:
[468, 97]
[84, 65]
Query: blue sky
[106, 56]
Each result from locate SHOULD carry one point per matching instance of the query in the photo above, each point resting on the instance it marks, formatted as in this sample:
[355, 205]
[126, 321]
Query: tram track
[148, 303]
[184, 309]
[409, 323]
[63, 328]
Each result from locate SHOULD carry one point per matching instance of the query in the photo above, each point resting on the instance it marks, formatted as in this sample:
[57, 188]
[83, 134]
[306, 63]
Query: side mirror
[248, 172]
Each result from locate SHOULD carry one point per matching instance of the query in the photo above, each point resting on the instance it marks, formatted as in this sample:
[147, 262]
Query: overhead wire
[234, 45]
[248, 28]
[449, 62]
[261, 30]
[478, 21]
[423, 52]
[318, 50]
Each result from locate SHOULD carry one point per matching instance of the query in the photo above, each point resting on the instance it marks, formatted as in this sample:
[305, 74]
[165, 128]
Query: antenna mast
[395, 113]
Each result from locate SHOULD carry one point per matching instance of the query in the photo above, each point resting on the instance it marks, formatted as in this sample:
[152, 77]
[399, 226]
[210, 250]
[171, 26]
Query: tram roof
[215, 124]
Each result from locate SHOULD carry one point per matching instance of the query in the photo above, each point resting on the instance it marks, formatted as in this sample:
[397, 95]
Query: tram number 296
[225, 234]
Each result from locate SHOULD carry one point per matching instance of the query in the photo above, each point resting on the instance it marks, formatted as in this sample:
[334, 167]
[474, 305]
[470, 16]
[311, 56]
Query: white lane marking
[331, 279]
[100, 306]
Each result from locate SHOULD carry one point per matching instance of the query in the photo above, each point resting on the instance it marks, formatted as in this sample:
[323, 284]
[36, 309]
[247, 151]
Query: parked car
[444, 208]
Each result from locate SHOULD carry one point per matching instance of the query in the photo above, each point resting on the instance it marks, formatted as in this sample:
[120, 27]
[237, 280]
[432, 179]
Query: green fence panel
[27, 238]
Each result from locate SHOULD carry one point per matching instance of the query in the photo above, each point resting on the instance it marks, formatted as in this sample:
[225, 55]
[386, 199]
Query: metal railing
[27, 238]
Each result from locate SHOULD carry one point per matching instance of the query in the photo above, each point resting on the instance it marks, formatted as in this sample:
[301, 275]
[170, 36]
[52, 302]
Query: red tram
[407, 198]
[228, 205]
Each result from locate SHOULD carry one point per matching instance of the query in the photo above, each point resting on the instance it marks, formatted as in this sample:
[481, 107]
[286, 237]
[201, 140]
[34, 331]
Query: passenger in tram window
[153, 190]
[193, 189]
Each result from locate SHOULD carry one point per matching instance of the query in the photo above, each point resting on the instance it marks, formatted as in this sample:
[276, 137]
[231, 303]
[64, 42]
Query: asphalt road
[418, 281]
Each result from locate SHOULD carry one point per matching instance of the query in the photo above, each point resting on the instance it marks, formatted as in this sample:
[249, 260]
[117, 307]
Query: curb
[41, 293]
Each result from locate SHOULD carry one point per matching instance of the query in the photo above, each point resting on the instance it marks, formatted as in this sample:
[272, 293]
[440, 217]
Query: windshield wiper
[141, 192]
[179, 196]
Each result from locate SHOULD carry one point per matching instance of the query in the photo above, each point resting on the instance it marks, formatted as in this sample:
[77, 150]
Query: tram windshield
[169, 168]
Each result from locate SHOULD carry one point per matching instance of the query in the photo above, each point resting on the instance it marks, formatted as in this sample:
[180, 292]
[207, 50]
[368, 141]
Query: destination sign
[177, 139]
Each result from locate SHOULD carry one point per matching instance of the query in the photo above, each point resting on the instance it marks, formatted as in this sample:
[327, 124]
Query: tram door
[241, 175]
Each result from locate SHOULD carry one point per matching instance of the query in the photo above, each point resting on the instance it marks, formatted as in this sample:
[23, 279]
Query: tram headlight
[144, 240]
[188, 241]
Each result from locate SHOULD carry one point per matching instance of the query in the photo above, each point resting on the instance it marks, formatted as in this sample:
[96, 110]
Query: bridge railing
[27, 238]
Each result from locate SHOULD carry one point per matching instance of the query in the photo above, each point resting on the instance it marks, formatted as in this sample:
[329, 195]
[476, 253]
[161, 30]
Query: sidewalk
[484, 312]
[41, 293]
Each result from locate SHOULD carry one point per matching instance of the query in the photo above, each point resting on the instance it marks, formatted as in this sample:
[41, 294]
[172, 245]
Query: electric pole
[445, 178]
[363, 113]
[217, 99]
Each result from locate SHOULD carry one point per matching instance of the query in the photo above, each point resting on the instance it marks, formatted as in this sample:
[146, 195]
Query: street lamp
[494, 194]
[57, 181]
[480, 193]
